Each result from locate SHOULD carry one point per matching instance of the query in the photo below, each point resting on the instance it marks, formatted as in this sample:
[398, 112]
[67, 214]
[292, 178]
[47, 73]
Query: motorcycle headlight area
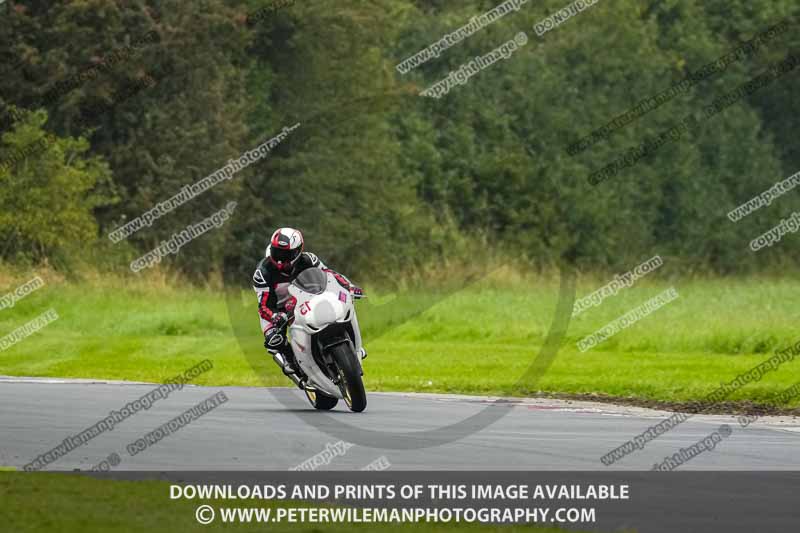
[322, 313]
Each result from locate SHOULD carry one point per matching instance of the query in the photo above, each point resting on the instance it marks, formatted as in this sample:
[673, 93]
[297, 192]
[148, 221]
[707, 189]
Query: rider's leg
[283, 355]
[284, 358]
[288, 356]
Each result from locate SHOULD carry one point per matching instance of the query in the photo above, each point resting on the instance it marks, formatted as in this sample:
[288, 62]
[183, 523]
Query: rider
[284, 260]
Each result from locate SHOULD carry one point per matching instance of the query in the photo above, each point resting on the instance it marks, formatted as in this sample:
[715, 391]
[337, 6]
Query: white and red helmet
[284, 248]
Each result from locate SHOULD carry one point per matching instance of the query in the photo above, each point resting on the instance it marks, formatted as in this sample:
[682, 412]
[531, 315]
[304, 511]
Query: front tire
[321, 401]
[351, 385]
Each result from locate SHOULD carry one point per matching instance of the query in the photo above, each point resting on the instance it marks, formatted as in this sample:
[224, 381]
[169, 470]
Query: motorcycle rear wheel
[351, 385]
[321, 401]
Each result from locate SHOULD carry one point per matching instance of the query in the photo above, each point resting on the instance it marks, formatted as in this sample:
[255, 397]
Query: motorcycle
[322, 341]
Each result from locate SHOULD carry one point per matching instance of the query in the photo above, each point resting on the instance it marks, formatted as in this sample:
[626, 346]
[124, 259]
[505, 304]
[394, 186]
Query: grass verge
[478, 340]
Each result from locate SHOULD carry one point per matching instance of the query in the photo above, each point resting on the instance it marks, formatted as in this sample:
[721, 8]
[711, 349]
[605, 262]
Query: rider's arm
[315, 261]
[341, 278]
[266, 300]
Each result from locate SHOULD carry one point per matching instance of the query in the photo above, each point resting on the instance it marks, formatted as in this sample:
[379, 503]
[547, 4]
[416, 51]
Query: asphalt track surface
[255, 430]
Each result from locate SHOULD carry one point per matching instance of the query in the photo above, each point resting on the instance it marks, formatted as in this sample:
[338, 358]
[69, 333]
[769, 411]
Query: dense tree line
[377, 176]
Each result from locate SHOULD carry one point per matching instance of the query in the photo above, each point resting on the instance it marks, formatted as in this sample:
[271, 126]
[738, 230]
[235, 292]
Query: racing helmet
[284, 248]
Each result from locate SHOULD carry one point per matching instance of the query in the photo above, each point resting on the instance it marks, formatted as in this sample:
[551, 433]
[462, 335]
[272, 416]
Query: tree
[49, 189]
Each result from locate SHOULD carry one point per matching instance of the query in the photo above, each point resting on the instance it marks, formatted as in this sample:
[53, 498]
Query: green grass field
[474, 340]
[79, 504]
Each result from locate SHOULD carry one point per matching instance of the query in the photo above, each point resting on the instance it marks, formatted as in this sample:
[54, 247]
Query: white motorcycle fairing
[317, 308]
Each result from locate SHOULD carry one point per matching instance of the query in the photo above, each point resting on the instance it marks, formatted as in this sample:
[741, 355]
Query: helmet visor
[280, 255]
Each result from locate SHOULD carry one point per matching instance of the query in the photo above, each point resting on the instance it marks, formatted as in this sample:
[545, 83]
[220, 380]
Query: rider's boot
[284, 358]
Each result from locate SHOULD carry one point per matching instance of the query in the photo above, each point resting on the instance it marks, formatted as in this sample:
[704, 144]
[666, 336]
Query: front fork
[359, 346]
[355, 354]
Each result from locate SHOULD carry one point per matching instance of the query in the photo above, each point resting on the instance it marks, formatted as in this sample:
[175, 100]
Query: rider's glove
[279, 320]
[357, 292]
[273, 337]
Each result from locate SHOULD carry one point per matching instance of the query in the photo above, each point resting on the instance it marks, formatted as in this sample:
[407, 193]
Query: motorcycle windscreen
[311, 280]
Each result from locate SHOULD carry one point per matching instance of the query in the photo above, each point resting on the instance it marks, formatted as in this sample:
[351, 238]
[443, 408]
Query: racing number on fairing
[305, 308]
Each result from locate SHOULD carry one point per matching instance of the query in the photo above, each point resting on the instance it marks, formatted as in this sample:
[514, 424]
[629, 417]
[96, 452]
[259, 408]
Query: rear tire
[321, 401]
[350, 373]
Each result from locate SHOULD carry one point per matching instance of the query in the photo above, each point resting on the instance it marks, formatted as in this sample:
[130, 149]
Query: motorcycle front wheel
[321, 401]
[350, 382]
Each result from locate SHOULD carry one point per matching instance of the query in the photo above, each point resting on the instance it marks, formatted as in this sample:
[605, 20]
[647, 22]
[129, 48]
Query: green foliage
[376, 172]
[49, 188]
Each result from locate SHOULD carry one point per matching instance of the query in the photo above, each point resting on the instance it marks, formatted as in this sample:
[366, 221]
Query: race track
[256, 430]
